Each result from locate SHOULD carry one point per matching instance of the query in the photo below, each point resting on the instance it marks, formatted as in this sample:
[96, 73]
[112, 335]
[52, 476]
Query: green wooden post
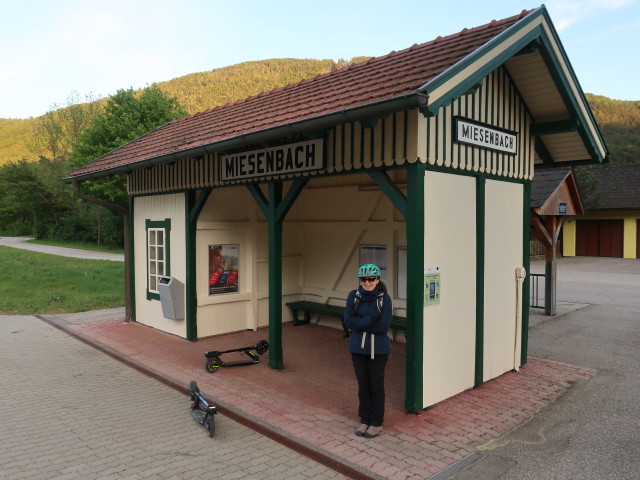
[275, 277]
[193, 207]
[275, 209]
[132, 263]
[415, 287]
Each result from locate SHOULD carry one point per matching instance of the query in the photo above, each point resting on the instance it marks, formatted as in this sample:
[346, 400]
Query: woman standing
[368, 316]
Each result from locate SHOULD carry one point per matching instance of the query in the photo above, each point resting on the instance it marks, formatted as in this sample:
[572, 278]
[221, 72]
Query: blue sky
[52, 48]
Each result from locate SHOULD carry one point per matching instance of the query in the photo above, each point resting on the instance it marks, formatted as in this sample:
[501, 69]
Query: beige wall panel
[219, 314]
[233, 204]
[230, 316]
[335, 204]
[449, 328]
[339, 221]
[156, 208]
[503, 254]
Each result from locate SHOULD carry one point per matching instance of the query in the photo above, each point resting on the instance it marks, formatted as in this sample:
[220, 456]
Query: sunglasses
[368, 279]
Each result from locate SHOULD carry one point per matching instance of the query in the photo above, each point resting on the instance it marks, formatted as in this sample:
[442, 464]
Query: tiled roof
[396, 75]
[545, 182]
[617, 187]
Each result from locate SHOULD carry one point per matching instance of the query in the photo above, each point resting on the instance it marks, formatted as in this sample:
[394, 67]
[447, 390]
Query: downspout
[521, 274]
[127, 265]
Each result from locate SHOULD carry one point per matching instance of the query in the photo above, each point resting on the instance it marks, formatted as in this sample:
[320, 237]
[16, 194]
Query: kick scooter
[214, 362]
[201, 411]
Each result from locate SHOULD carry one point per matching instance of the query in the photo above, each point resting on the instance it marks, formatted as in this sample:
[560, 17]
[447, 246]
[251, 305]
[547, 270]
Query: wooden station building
[421, 161]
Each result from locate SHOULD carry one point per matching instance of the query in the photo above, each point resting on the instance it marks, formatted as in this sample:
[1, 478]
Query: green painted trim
[193, 206]
[562, 82]
[391, 191]
[526, 263]
[275, 277]
[198, 205]
[480, 247]
[415, 225]
[132, 260]
[259, 197]
[190, 281]
[550, 128]
[166, 225]
[463, 87]
[285, 205]
[471, 173]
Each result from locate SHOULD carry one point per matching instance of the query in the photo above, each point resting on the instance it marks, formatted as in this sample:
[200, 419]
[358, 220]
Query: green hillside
[619, 120]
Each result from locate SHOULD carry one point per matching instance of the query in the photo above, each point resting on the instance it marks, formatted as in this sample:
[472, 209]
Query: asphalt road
[593, 431]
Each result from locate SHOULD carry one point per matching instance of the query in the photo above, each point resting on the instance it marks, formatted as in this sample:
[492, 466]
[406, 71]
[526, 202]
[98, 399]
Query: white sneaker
[373, 432]
[362, 429]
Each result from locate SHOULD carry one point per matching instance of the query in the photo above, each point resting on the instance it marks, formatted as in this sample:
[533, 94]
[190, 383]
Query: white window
[157, 254]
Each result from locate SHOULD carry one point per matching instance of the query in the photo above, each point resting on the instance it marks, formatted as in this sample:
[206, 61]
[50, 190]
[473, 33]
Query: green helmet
[369, 270]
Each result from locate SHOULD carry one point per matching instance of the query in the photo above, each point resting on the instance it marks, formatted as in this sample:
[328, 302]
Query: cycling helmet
[369, 270]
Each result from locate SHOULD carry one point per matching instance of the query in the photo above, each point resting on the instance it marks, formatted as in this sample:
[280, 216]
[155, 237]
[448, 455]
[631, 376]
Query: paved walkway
[310, 406]
[69, 412]
[23, 244]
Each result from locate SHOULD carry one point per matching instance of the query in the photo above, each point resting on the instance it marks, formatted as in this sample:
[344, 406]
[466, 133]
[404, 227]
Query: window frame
[163, 226]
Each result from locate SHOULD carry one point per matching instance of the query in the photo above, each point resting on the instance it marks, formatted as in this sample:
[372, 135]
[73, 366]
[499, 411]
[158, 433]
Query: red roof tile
[394, 75]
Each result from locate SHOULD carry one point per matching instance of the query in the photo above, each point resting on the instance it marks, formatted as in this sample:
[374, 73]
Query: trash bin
[171, 297]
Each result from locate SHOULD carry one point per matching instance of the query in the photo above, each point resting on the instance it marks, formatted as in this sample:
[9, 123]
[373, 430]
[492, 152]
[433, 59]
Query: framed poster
[223, 268]
[376, 254]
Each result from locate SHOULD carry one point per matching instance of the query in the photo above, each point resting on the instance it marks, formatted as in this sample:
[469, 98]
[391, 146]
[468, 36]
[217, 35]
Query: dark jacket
[367, 317]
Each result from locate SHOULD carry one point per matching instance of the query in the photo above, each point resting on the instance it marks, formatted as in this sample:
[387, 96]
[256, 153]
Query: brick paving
[68, 411]
[312, 402]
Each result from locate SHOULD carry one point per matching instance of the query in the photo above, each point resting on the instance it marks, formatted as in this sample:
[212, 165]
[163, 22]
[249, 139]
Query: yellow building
[611, 227]
[420, 161]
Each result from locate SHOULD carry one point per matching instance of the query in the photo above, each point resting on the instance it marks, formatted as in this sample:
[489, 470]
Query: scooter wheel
[262, 346]
[211, 428]
[213, 364]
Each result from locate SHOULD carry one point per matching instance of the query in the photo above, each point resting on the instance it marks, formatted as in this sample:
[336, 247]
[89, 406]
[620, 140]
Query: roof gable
[552, 186]
[424, 76]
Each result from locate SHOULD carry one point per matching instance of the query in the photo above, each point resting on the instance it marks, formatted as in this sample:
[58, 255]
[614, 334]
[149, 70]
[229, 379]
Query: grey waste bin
[171, 297]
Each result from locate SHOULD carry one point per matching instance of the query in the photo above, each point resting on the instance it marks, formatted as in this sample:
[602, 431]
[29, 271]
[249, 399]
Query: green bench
[397, 322]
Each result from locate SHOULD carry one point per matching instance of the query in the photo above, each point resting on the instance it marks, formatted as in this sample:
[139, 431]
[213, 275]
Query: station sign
[281, 160]
[484, 135]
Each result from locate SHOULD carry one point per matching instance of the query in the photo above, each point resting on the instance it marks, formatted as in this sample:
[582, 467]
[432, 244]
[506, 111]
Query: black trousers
[370, 375]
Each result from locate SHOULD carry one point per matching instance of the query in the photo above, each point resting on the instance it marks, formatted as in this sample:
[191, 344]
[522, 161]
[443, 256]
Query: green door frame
[193, 206]
[412, 209]
[275, 209]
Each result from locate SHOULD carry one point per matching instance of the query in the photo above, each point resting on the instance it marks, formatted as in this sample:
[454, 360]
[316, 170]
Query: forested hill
[619, 120]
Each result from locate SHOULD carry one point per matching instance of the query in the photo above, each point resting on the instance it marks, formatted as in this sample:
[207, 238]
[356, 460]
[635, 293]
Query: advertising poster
[431, 286]
[223, 268]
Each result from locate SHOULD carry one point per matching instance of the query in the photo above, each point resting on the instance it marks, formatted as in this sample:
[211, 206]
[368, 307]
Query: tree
[127, 116]
[55, 132]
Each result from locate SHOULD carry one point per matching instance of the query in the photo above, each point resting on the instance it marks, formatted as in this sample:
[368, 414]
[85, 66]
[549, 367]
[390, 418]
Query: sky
[53, 50]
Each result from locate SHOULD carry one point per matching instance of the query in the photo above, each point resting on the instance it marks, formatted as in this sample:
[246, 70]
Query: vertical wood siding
[393, 141]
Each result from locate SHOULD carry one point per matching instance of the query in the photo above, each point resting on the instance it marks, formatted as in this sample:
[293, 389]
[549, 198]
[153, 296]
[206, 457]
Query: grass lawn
[35, 283]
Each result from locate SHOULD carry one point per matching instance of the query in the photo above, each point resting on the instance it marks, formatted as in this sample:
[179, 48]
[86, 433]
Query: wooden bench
[397, 322]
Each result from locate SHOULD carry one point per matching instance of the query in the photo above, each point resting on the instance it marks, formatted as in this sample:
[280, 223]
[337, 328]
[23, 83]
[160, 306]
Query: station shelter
[420, 161]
